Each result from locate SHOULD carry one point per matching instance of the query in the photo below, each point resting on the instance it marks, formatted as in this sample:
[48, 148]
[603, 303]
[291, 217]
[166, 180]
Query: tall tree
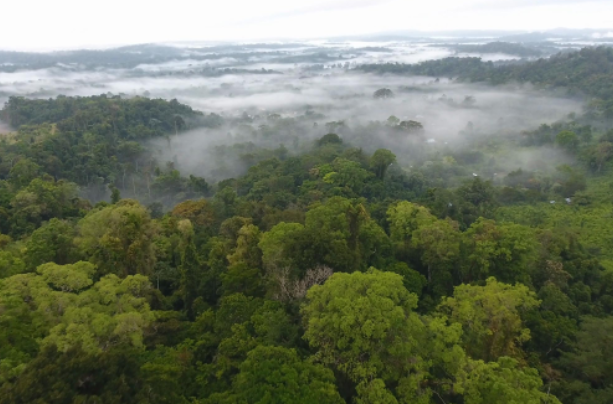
[381, 161]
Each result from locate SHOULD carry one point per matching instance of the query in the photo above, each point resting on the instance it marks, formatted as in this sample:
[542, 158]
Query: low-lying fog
[4, 128]
[312, 83]
[448, 111]
[191, 67]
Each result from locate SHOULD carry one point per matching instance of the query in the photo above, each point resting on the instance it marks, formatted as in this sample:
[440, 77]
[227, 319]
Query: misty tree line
[587, 72]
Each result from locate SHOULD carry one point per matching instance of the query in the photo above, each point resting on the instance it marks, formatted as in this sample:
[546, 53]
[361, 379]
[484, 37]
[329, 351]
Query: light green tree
[374, 392]
[118, 239]
[244, 274]
[272, 245]
[491, 318]
[112, 312]
[71, 310]
[404, 218]
[363, 324]
[439, 245]
[503, 382]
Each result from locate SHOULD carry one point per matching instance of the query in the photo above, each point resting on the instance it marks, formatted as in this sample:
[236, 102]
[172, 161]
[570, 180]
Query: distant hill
[588, 72]
[499, 47]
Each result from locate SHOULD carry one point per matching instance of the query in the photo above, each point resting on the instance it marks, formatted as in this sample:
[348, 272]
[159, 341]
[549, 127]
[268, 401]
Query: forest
[586, 72]
[312, 260]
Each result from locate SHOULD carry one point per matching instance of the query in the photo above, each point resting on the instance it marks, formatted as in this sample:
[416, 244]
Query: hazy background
[60, 24]
[279, 73]
[294, 89]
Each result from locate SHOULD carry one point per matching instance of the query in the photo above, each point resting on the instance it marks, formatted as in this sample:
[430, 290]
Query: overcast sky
[42, 24]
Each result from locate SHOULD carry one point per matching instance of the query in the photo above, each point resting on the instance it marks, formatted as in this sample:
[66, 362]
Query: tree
[11, 263]
[569, 180]
[439, 244]
[491, 317]
[191, 276]
[374, 392]
[115, 194]
[234, 309]
[338, 233]
[23, 172]
[67, 278]
[52, 242]
[273, 325]
[20, 327]
[276, 375]
[602, 153]
[244, 274]
[412, 280]
[477, 199]
[330, 138]
[589, 361]
[380, 162]
[118, 239]
[393, 121]
[273, 244]
[568, 140]
[179, 123]
[383, 93]
[112, 312]
[504, 250]
[199, 212]
[411, 126]
[405, 220]
[42, 199]
[554, 324]
[56, 376]
[502, 382]
[67, 309]
[347, 176]
[406, 217]
[363, 325]
[166, 374]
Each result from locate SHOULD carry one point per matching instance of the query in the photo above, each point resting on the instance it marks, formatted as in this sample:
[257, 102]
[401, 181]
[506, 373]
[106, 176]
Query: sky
[64, 24]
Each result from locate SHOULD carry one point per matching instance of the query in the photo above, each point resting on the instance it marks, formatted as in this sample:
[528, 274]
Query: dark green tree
[276, 375]
[191, 276]
[381, 161]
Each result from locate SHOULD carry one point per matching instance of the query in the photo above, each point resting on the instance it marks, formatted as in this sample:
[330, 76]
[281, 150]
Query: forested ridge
[587, 72]
[324, 273]
[508, 48]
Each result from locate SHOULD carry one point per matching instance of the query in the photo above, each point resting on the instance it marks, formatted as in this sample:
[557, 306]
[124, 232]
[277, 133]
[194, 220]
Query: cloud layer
[73, 23]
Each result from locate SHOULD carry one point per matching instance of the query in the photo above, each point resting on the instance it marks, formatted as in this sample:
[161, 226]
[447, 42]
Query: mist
[4, 128]
[286, 95]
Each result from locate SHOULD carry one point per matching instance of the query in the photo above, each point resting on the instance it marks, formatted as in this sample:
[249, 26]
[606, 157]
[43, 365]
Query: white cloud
[72, 23]
[603, 35]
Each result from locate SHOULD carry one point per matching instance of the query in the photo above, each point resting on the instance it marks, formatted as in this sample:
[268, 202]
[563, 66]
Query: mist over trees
[586, 72]
[324, 230]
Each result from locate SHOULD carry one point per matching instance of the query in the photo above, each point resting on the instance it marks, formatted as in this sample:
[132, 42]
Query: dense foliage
[325, 275]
